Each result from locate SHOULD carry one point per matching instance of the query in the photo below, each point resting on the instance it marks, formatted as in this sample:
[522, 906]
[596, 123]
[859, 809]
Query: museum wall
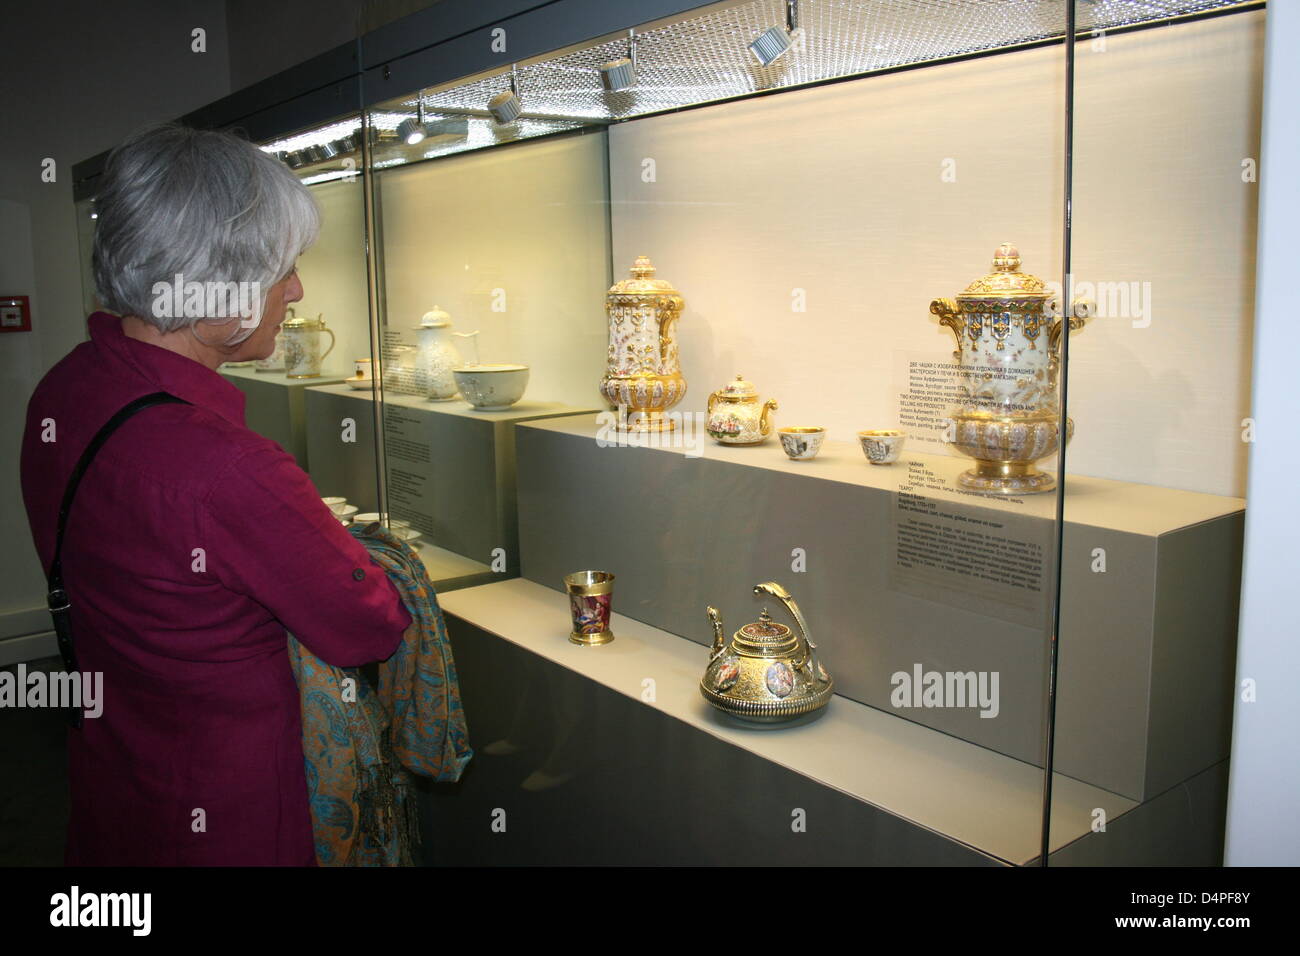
[867, 199]
[84, 76]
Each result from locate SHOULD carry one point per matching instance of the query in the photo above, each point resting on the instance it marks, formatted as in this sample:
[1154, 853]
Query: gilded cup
[591, 596]
[802, 442]
[882, 446]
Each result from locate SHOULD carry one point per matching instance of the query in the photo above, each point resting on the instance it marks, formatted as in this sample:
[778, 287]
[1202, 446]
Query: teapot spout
[719, 641]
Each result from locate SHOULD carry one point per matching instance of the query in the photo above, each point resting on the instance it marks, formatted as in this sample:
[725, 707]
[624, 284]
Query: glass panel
[489, 271]
[828, 360]
[303, 395]
[1164, 224]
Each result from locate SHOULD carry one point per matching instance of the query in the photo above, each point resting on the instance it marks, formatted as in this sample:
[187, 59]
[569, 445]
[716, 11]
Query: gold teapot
[736, 417]
[766, 673]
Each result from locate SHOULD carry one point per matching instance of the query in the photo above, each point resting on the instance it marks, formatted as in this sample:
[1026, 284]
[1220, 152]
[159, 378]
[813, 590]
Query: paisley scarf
[361, 744]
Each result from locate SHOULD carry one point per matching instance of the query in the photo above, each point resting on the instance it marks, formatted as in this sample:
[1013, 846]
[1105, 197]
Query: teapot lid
[304, 322]
[642, 281]
[1006, 279]
[740, 388]
[765, 637]
[435, 318]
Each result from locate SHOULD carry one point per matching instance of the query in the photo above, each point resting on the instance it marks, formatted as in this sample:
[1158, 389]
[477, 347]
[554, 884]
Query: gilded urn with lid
[643, 375]
[1008, 333]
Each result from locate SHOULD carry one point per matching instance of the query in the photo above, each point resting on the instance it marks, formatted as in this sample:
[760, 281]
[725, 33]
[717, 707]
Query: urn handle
[1083, 311]
[949, 315]
[719, 640]
[765, 419]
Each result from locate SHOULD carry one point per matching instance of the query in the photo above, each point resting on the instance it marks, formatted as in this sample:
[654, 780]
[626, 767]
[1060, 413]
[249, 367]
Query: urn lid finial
[642, 268]
[1006, 280]
[1006, 258]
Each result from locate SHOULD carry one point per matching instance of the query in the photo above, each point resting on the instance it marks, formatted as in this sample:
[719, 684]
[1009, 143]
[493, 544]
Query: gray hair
[207, 206]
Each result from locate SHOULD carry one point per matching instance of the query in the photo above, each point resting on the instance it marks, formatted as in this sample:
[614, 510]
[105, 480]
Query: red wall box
[15, 314]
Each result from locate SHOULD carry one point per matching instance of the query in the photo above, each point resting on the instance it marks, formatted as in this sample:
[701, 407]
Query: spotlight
[410, 132]
[506, 107]
[774, 42]
[620, 74]
[413, 130]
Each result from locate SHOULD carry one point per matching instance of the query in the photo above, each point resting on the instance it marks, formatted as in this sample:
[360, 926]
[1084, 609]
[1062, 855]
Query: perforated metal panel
[704, 56]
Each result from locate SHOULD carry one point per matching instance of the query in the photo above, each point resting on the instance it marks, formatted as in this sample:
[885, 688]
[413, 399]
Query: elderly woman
[193, 543]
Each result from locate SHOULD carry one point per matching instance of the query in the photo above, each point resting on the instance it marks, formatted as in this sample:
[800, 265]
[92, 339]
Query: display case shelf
[969, 794]
[275, 406]
[893, 568]
[451, 471]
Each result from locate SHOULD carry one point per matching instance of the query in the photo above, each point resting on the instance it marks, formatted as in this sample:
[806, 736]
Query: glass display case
[893, 356]
[822, 266]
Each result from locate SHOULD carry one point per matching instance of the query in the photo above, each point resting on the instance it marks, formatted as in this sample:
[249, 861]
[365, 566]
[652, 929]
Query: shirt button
[358, 574]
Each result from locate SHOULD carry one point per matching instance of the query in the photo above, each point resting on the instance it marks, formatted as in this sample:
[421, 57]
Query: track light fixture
[774, 42]
[506, 107]
[620, 74]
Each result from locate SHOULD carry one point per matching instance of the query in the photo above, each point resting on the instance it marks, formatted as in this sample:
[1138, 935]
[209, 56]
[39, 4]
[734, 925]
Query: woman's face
[261, 343]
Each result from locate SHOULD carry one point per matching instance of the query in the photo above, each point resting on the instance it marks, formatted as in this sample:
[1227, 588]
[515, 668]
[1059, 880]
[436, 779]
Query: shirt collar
[166, 370]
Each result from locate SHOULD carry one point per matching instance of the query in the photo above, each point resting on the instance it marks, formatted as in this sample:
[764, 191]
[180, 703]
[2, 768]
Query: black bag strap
[57, 598]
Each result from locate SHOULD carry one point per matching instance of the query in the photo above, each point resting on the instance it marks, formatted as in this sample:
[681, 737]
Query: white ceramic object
[882, 446]
[302, 346]
[802, 442]
[736, 417]
[492, 388]
[334, 503]
[435, 357]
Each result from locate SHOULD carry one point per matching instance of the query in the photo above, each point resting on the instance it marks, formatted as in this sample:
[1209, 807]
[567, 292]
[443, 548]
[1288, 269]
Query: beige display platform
[450, 470]
[275, 406]
[887, 565]
[940, 786]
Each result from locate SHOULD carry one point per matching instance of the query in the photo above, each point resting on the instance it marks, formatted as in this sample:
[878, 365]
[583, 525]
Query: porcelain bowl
[491, 387]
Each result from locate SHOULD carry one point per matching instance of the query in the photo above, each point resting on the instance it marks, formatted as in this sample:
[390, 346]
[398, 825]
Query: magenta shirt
[200, 708]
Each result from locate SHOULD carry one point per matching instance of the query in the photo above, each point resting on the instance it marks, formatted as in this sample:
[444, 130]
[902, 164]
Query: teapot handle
[765, 420]
[713, 400]
[784, 597]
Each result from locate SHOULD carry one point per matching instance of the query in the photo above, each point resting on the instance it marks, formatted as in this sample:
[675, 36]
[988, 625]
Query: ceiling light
[506, 107]
[774, 42]
[620, 74]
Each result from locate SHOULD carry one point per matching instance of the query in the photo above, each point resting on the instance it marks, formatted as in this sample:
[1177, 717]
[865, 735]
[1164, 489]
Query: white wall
[530, 220]
[838, 191]
[333, 274]
[76, 79]
[1264, 792]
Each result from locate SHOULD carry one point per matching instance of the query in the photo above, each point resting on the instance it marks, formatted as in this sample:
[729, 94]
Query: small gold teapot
[766, 674]
[736, 417]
